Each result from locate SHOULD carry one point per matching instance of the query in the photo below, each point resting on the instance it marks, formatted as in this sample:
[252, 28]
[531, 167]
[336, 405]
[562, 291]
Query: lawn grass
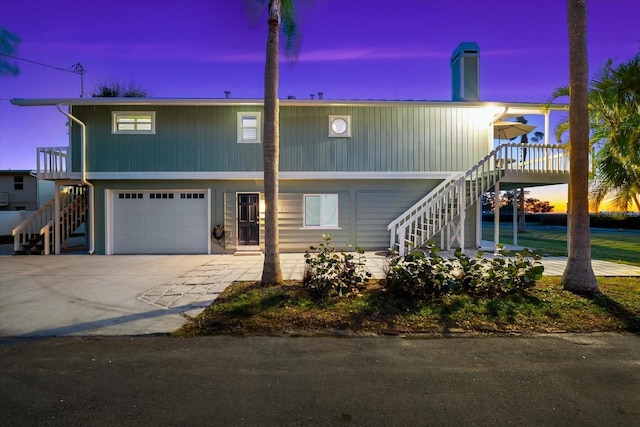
[607, 245]
[251, 309]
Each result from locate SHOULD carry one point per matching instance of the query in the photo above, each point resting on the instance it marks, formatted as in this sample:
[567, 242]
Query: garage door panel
[130, 233]
[160, 222]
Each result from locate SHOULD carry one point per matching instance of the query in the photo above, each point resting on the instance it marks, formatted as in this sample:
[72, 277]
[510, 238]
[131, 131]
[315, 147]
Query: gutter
[83, 178]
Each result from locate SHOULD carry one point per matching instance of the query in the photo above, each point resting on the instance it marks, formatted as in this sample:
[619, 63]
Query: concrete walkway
[79, 295]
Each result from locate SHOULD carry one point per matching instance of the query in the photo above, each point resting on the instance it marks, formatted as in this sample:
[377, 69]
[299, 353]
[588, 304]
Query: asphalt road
[564, 379]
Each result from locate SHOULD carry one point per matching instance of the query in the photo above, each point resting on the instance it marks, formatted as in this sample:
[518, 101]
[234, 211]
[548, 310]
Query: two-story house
[185, 175]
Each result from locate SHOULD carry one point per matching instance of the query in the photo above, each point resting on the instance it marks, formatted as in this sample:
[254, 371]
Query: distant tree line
[506, 200]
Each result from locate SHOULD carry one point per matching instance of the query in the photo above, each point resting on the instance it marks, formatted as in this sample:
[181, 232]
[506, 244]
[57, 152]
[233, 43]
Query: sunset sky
[350, 49]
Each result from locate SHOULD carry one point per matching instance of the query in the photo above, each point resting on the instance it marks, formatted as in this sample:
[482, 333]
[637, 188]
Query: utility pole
[79, 69]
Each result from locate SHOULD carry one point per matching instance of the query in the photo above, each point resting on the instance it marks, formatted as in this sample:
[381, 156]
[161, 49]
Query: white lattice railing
[432, 213]
[53, 162]
[40, 226]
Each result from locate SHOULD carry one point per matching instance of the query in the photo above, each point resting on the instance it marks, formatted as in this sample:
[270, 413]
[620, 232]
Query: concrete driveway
[144, 294]
[93, 295]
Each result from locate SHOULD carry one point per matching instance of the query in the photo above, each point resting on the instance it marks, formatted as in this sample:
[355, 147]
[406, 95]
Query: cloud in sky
[176, 51]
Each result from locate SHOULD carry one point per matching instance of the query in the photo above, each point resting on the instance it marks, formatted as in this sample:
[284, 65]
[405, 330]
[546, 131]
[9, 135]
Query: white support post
[56, 222]
[496, 217]
[463, 211]
[546, 141]
[515, 217]
[401, 241]
[392, 238]
[479, 222]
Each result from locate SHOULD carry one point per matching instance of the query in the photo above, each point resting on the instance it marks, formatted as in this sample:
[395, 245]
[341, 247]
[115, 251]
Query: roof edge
[43, 102]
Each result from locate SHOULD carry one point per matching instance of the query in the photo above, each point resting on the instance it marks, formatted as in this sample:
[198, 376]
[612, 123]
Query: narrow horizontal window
[321, 210]
[249, 128]
[134, 122]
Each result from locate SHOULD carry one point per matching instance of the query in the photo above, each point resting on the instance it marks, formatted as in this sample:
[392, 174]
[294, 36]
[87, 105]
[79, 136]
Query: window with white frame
[136, 122]
[321, 210]
[249, 128]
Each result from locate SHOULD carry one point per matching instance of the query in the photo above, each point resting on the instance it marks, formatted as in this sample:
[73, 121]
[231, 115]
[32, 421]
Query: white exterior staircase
[443, 210]
[36, 234]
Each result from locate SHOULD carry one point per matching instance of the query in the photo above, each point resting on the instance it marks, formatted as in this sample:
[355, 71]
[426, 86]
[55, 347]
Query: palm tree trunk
[271, 272]
[578, 275]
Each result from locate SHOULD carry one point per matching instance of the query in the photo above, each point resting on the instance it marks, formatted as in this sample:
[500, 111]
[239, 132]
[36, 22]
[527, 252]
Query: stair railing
[28, 229]
[72, 216]
[32, 227]
[432, 213]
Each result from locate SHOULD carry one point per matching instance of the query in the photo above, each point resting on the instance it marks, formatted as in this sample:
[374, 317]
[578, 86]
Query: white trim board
[253, 176]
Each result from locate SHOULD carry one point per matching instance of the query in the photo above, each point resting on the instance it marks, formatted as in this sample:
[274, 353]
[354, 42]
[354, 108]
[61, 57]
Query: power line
[76, 68]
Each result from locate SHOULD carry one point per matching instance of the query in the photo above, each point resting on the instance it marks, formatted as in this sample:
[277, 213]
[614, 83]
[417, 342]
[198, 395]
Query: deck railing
[53, 162]
[433, 212]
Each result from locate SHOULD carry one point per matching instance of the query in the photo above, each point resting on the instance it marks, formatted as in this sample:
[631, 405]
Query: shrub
[420, 276]
[331, 274]
[417, 276]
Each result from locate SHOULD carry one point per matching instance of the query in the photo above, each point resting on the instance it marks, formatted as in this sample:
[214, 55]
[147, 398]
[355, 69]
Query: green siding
[376, 209]
[365, 209]
[203, 139]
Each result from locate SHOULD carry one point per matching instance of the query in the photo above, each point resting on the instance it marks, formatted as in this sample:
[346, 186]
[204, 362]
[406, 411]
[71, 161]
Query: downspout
[497, 117]
[83, 178]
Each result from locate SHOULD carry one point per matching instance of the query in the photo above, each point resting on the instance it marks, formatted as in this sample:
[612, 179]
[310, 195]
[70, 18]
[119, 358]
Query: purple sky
[351, 49]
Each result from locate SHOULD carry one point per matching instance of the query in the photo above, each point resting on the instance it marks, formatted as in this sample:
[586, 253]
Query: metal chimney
[465, 72]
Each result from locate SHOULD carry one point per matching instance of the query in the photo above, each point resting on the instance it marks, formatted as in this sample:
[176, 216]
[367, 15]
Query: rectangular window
[249, 128]
[321, 210]
[134, 122]
[18, 183]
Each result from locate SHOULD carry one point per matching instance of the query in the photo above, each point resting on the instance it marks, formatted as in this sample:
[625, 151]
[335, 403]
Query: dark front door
[248, 219]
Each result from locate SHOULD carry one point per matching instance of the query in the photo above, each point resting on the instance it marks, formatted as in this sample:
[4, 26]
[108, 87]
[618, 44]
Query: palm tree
[614, 118]
[578, 275]
[281, 18]
[8, 47]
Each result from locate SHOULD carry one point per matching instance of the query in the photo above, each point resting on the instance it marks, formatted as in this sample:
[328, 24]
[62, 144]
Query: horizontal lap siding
[375, 210]
[293, 237]
[365, 208]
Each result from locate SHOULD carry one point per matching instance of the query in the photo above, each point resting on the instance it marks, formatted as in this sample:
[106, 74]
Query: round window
[339, 126]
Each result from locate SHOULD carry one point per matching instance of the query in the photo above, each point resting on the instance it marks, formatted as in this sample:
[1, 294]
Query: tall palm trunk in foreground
[271, 271]
[578, 275]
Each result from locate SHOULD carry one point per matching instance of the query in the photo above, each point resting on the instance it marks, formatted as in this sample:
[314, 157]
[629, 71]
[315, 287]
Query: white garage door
[160, 222]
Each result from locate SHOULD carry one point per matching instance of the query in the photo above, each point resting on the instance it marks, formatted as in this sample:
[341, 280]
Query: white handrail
[444, 203]
[73, 201]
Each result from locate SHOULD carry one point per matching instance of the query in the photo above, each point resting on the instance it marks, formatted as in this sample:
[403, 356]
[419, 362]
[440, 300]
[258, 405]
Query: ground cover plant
[329, 273]
[248, 308]
[425, 274]
[422, 295]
